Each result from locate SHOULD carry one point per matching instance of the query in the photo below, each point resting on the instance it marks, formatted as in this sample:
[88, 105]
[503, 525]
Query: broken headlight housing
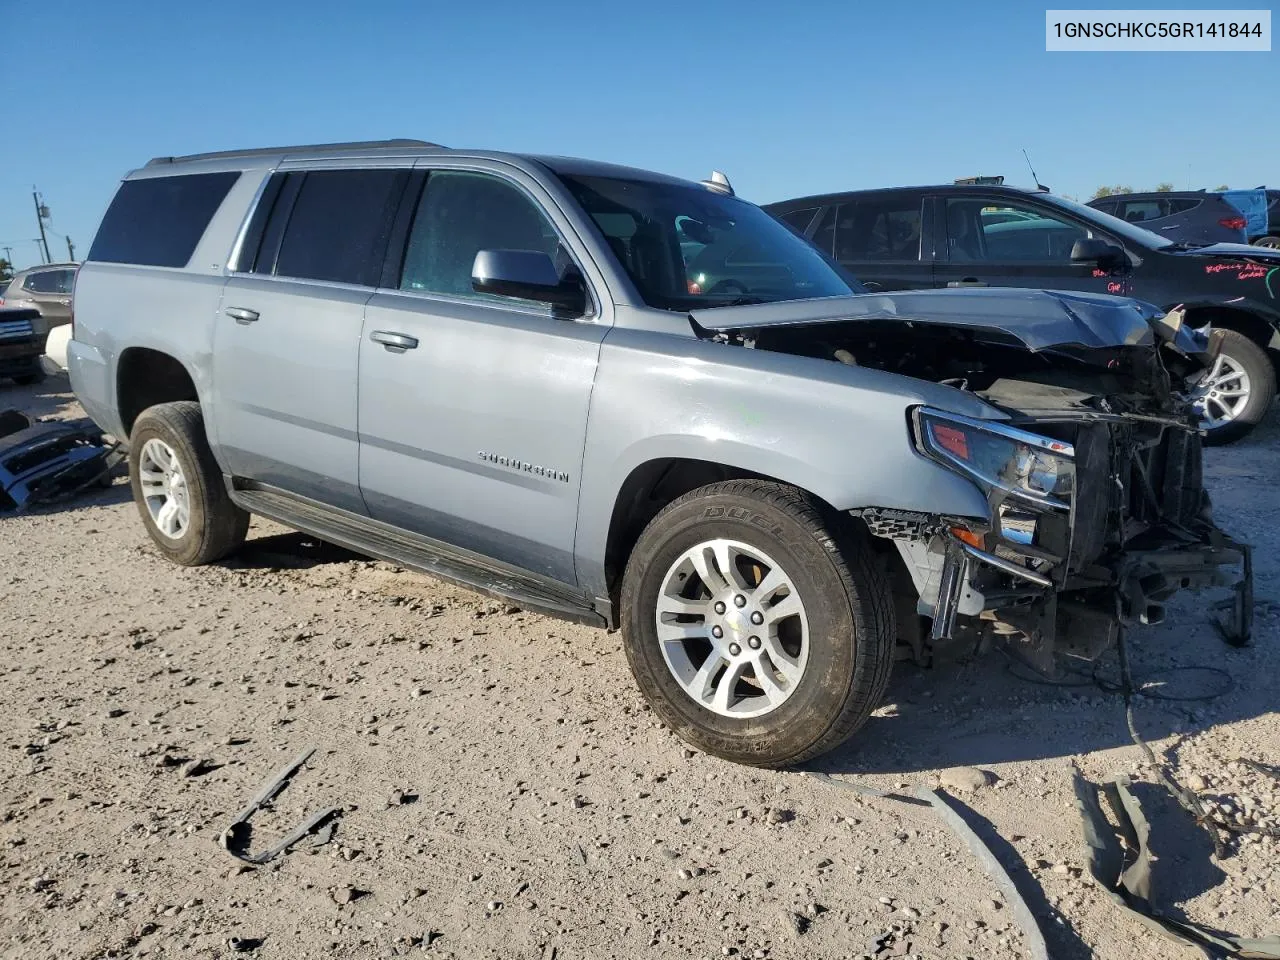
[1038, 469]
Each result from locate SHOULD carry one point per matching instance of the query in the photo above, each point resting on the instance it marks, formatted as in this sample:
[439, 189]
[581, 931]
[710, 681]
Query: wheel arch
[1249, 322]
[145, 377]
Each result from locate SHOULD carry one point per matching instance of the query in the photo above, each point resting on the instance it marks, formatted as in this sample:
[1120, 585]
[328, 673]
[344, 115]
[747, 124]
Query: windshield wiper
[738, 302]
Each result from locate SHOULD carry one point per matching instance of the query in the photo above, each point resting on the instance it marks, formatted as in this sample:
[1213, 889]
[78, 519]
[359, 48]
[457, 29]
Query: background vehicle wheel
[1272, 242]
[178, 487]
[757, 622]
[1235, 393]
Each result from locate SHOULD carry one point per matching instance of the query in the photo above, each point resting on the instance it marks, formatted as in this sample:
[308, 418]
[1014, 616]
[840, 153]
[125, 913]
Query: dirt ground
[506, 793]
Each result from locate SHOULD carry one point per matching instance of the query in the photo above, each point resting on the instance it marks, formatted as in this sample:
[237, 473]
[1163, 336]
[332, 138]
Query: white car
[55, 350]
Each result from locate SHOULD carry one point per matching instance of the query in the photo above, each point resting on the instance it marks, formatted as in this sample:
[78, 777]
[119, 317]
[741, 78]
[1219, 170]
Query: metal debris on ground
[42, 462]
[1119, 859]
[235, 838]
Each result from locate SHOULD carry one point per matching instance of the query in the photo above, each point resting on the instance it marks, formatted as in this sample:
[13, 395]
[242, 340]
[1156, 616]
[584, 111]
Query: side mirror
[528, 274]
[1092, 251]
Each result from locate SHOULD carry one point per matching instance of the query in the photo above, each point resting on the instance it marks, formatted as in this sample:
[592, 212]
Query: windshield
[688, 248]
[1131, 232]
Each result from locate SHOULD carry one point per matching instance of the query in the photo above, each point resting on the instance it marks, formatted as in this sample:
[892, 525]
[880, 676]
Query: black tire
[30, 379]
[1268, 241]
[1262, 384]
[847, 604]
[216, 526]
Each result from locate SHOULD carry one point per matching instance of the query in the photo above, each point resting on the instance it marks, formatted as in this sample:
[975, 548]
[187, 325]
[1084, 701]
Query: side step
[365, 535]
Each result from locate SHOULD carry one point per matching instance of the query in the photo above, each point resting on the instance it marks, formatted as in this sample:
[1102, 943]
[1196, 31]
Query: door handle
[393, 341]
[967, 282]
[241, 314]
[65, 302]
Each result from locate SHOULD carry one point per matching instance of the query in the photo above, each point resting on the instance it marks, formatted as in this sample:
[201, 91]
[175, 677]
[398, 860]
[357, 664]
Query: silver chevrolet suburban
[640, 402]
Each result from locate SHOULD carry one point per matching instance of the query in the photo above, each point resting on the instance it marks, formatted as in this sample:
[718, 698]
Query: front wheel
[757, 622]
[1235, 393]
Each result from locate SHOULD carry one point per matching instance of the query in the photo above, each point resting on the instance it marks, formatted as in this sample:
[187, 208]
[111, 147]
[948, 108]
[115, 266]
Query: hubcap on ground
[1222, 393]
[164, 488]
[732, 628]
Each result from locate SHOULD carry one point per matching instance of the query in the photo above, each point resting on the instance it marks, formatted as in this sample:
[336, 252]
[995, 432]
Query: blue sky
[787, 98]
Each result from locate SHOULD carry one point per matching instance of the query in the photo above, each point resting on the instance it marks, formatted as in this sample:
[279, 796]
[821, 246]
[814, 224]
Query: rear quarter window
[158, 221]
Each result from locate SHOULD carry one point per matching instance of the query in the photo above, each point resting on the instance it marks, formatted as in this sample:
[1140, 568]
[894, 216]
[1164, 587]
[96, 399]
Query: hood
[1038, 319]
[1234, 251]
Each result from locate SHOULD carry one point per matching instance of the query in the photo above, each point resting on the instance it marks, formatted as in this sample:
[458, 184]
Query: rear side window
[824, 236]
[879, 229]
[1182, 205]
[158, 221]
[339, 226]
[1137, 211]
[799, 220]
[50, 281]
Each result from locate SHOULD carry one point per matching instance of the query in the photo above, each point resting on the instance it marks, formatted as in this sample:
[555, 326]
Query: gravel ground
[507, 793]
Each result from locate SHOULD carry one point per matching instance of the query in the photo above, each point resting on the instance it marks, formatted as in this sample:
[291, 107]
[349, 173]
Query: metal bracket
[1236, 628]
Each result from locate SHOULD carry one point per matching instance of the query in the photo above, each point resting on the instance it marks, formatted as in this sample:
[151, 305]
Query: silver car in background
[46, 288]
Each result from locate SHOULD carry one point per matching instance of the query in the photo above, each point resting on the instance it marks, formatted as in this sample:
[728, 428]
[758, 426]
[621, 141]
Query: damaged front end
[1097, 512]
[1096, 520]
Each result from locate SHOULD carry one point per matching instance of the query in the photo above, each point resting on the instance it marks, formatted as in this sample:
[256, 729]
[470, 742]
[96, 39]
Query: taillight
[1233, 223]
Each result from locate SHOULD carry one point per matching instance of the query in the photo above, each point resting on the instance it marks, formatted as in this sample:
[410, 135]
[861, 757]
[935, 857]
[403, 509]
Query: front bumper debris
[43, 462]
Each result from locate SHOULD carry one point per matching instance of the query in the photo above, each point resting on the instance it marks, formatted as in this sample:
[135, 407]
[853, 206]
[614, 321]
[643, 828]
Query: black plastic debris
[1120, 860]
[1036, 947]
[235, 838]
[41, 462]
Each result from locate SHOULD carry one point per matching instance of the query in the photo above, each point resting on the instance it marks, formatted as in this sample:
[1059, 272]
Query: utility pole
[42, 214]
[71, 250]
[8, 255]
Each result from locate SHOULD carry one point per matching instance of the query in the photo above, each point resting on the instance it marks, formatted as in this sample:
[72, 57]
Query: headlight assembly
[1035, 468]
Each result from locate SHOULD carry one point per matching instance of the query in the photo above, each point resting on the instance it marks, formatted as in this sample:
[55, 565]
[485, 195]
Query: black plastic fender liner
[1126, 878]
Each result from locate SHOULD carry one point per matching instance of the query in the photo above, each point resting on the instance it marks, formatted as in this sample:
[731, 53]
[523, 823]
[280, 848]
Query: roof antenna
[1039, 186]
[719, 183]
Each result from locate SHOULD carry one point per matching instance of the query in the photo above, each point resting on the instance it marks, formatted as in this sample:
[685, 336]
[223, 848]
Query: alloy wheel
[1222, 393]
[733, 628]
[164, 488]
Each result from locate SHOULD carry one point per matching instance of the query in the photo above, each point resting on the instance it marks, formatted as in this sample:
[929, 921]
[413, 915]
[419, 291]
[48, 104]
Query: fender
[840, 432]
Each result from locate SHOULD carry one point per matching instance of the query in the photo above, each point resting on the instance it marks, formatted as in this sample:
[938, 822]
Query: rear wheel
[178, 487]
[1235, 393]
[1272, 242]
[757, 622]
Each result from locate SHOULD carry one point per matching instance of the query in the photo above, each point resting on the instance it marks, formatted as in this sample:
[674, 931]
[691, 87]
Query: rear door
[1000, 241]
[473, 407]
[287, 336]
[881, 239]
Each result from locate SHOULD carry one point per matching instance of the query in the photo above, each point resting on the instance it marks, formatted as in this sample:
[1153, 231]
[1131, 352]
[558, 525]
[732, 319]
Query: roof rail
[268, 151]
